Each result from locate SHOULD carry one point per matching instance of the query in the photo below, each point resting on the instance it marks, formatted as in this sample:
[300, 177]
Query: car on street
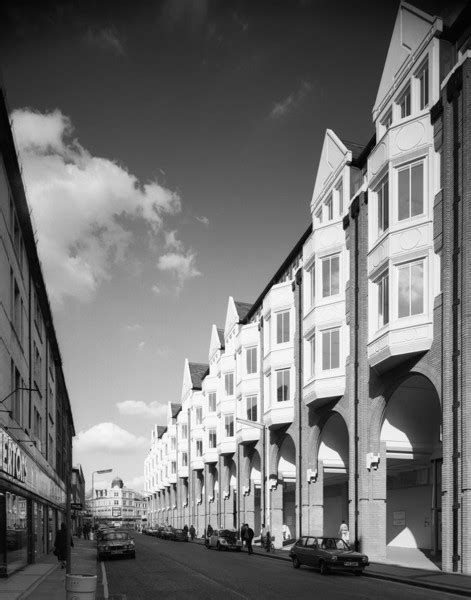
[224, 539]
[115, 543]
[327, 554]
[179, 535]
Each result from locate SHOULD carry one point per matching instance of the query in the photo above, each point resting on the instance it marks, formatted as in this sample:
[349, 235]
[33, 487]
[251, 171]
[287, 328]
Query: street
[164, 569]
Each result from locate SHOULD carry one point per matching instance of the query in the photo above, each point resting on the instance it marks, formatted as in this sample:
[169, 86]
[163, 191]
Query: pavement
[47, 581]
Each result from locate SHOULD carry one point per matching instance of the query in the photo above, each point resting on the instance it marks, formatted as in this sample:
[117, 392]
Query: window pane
[417, 190]
[279, 328]
[326, 350]
[386, 300]
[403, 194]
[326, 278]
[386, 205]
[417, 289]
[335, 279]
[286, 327]
[335, 349]
[403, 292]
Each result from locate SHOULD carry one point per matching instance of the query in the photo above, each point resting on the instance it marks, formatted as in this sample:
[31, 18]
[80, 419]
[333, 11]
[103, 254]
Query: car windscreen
[116, 536]
[229, 535]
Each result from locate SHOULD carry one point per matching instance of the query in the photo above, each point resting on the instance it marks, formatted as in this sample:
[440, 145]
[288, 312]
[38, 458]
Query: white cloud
[139, 408]
[82, 205]
[292, 101]
[134, 327]
[105, 39]
[108, 437]
[172, 242]
[136, 483]
[203, 220]
[156, 289]
[142, 345]
[182, 266]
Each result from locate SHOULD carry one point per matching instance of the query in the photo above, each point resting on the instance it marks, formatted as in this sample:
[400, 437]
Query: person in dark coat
[185, 529]
[60, 545]
[192, 532]
[249, 533]
[243, 529]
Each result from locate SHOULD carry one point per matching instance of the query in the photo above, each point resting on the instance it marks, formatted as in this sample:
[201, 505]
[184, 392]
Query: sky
[169, 153]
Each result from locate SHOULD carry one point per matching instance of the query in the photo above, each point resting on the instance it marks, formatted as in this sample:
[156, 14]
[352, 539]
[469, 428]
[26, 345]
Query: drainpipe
[263, 467]
[299, 282]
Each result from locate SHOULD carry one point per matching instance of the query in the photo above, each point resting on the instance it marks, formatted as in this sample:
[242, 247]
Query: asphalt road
[164, 569]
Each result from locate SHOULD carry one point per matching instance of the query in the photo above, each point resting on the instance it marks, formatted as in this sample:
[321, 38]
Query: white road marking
[105, 581]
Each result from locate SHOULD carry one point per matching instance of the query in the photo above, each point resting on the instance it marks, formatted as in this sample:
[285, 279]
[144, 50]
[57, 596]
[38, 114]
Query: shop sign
[12, 458]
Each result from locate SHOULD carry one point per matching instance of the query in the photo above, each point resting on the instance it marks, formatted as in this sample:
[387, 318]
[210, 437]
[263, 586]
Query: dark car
[327, 553]
[224, 539]
[179, 535]
[167, 533]
[115, 543]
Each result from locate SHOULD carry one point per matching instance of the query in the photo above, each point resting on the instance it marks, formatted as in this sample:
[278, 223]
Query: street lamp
[100, 472]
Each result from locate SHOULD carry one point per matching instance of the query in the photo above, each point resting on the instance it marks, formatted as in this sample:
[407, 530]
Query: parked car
[115, 543]
[224, 539]
[102, 530]
[167, 532]
[179, 535]
[327, 553]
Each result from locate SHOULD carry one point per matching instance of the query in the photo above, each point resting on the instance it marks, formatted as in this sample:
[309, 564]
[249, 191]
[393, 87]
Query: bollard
[80, 587]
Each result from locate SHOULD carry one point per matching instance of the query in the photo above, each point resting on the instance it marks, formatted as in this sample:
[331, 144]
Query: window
[383, 205]
[184, 431]
[198, 415]
[330, 276]
[410, 191]
[312, 348]
[329, 207]
[282, 327]
[212, 402]
[252, 408]
[229, 384]
[282, 385]
[312, 275]
[383, 300]
[37, 365]
[404, 103]
[422, 77]
[229, 425]
[173, 467]
[387, 120]
[16, 307]
[339, 190]
[212, 438]
[184, 459]
[330, 349]
[17, 396]
[411, 289]
[251, 356]
[173, 443]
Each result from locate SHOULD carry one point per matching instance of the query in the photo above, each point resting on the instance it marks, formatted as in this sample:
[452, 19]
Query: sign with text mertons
[12, 458]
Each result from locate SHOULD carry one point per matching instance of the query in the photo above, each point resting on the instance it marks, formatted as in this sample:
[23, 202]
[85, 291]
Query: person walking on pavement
[192, 532]
[60, 545]
[243, 529]
[249, 535]
[263, 535]
[344, 533]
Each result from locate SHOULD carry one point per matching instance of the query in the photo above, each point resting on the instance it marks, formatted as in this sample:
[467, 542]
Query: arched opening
[232, 481]
[287, 476]
[333, 452]
[255, 489]
[411, 434]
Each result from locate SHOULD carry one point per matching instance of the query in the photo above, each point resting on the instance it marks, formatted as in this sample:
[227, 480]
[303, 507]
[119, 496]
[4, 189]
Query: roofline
[360, 162]
[272, 282]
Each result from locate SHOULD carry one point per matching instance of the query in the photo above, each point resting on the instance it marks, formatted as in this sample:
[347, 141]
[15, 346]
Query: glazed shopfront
[32, 506]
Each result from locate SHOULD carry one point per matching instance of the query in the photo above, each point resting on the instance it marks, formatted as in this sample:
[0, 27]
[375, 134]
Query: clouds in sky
[84, 206]
[105, 437]
[139, 408]
[289, 104]
[106, 39]
[203, 220]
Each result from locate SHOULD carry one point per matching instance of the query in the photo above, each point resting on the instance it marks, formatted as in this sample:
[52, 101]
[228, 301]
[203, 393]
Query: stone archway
[333, 455]
[283, 491]
[410, 437]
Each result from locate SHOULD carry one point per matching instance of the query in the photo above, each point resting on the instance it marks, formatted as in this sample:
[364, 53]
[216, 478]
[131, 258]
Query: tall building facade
[344, 390]
[36, 424]
[116, 502]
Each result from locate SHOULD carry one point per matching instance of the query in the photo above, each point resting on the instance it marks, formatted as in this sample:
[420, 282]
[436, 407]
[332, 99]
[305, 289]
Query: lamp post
[100, 472]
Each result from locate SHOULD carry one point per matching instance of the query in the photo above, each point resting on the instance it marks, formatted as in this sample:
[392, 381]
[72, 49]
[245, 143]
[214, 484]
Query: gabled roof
[355, 149]
[410, 30]
[334, 153]
[161, 429]
[197, 374]
[242, 309]
[176, 408]
[221, 337]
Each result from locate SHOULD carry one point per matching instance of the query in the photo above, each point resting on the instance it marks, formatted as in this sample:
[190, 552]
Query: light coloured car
[224, 539]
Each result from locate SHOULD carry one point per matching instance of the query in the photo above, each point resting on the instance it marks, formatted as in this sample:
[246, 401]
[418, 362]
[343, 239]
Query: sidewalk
[46, 580]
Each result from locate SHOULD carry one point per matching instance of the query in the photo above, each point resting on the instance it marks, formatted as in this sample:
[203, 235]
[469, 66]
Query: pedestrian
[79, 531]
[192, 532]
[209, 531]
[249, 535]
[242, 532]
[268, 542]
[263, 535]
[286, 532]
[60, 545]
[185, 529]
[344, 534]
[86, 531]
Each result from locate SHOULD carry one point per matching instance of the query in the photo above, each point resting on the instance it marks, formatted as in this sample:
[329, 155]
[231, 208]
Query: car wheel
[358, 573]
[324, 568]
[296, 563]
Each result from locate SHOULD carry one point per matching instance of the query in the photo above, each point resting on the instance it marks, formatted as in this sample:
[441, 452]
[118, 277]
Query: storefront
[32, 504]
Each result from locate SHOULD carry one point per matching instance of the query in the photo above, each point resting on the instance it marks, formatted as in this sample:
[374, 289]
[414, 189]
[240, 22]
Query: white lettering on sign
[13, 460]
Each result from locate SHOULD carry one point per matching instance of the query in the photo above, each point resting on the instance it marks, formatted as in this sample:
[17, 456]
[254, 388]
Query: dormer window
[404, 103]
[423, 80]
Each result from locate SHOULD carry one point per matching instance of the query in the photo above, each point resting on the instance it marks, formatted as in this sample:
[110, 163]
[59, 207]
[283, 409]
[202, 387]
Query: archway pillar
[248, 508]
[315, 517]
[372, 507]
[276, 517]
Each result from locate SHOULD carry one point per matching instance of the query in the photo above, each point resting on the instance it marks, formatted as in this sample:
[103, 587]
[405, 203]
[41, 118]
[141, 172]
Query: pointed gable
[333, 155]
[187, 383]
[197, 372]
[236, 311]
[175, 408]
[161, 429]
[411, 28]
[217, 341]
[242, 309]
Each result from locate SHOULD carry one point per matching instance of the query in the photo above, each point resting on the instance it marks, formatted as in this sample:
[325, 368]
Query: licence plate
[351, 564]
[115, 551]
